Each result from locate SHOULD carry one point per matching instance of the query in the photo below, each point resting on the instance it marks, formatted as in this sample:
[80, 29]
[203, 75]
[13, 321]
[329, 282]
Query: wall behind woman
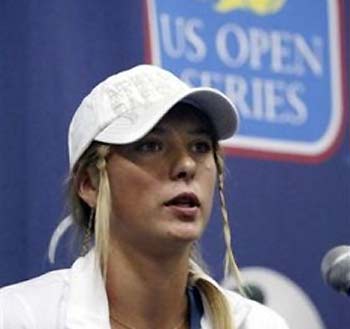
[285, 216]
[53, 53]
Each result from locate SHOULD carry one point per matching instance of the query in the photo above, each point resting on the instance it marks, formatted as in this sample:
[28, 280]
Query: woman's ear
[87, 187]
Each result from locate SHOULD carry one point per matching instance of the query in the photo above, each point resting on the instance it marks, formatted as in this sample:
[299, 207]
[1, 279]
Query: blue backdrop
[284, 215]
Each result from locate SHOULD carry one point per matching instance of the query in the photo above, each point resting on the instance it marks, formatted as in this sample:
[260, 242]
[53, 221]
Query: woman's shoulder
[38, 298]
[251, 315]
[247, 313]
[46, 283]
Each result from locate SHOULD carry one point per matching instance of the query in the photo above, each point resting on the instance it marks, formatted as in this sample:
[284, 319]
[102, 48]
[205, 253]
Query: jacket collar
[87, 303]
[237, 304]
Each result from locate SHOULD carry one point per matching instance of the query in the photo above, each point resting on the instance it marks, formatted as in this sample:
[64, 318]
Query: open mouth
[186, 200]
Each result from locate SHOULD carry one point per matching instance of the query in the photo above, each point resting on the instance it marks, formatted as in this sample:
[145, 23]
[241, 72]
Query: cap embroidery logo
[121, 105]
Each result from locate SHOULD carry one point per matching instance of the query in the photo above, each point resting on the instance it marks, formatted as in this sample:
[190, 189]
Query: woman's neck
[147, 291]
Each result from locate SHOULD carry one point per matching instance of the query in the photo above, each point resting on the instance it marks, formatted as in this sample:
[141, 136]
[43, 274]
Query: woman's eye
[202, 147]
[149, 146]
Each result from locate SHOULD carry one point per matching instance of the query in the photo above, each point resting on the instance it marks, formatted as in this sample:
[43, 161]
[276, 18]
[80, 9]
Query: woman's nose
[183, 166]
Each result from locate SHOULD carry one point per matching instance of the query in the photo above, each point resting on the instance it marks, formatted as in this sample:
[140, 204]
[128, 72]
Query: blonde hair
[94, 161]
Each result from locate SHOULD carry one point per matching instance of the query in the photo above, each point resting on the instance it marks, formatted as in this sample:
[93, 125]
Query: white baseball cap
[126, 106]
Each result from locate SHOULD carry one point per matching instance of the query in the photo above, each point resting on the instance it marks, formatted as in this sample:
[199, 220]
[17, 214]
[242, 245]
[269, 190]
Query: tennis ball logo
[260, 7]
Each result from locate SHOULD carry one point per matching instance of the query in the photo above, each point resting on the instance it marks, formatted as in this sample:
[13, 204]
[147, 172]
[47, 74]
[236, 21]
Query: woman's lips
[184, 205]
[184, 212]
[188, 199]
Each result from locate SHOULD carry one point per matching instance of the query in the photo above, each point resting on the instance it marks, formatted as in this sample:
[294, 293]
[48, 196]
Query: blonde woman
[144, 163]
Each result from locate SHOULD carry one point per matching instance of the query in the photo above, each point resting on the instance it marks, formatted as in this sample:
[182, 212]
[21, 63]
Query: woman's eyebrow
[200, 131]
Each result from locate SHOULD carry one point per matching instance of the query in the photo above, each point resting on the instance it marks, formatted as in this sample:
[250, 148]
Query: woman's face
[162, 185]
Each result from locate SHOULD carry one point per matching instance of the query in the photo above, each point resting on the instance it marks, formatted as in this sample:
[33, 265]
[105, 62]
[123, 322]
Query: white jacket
[75, 298]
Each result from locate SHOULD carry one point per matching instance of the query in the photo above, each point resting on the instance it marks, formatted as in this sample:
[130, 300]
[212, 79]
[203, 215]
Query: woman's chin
[186, 232]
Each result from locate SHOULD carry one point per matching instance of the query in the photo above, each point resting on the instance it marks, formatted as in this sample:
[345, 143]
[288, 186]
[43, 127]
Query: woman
[144, 161]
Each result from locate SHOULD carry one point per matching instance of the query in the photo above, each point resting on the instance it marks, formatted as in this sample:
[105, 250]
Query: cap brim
[130, 128]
